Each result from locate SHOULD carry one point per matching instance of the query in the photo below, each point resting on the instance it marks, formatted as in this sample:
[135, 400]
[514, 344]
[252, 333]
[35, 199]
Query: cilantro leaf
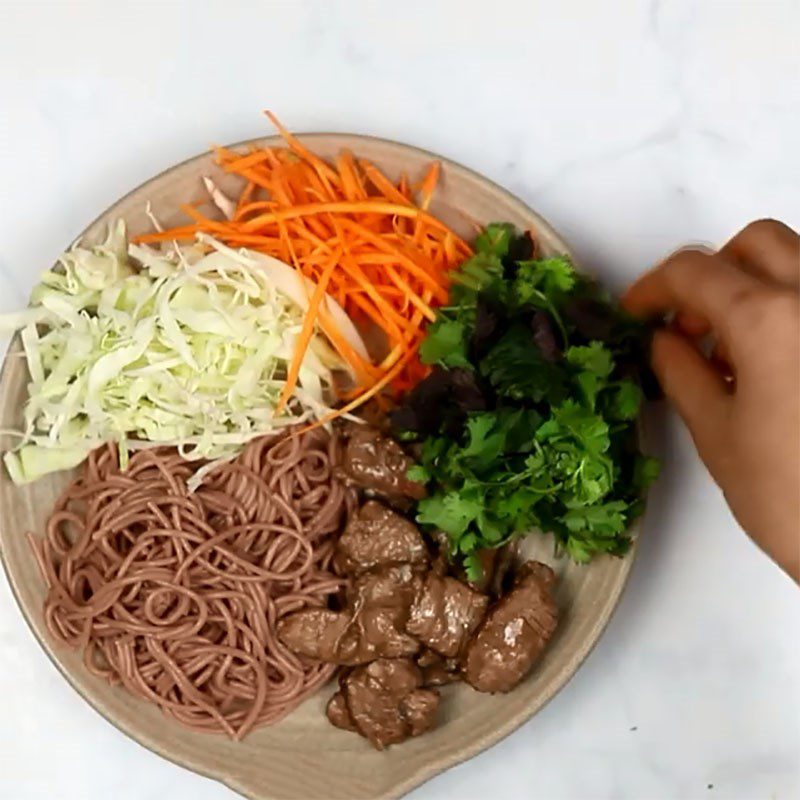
[594, 365]
[485, 443]
[606, 519]
[495, 239]
[419, 473]
[492, 530]
[544, 276]
[445, 344]
[517, 508]
[571, 421]
[593, 357]
[473, 568]
[451, 512]
[481, 273]
[625, 401]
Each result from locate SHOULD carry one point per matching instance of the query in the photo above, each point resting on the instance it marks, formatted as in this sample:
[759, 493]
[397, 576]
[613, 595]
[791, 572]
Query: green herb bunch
[528, 419]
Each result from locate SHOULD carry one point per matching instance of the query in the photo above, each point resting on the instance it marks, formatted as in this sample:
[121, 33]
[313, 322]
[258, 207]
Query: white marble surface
[632, 126]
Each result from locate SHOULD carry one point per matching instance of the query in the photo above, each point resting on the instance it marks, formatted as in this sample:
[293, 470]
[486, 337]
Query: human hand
[742, 403]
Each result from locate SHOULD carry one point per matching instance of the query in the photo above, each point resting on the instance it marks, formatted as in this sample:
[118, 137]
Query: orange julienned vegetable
[361, 238]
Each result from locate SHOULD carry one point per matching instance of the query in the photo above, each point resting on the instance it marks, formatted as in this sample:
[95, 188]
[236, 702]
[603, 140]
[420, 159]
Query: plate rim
[425, 771]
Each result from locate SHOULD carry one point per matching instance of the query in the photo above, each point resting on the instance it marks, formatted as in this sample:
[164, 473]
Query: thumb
[696, 390]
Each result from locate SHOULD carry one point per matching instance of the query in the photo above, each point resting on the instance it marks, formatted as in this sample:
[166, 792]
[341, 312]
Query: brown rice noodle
[176, 595]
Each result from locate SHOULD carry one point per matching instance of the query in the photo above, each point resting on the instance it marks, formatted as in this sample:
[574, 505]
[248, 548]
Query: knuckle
[760, 230]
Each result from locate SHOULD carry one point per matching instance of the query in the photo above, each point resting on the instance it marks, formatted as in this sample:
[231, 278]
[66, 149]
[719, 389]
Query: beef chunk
[318, 633]
[338, 713]
[514, 633]
[377, 464]
[437, 670]
[377, 536]
[445, 614]
[387, 703]
[419, 709]
[380, 601]
[373, 627]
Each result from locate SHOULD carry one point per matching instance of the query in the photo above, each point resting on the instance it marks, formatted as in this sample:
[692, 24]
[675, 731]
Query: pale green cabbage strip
[130, 345]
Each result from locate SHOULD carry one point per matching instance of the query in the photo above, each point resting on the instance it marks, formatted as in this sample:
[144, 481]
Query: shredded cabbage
[187, 348]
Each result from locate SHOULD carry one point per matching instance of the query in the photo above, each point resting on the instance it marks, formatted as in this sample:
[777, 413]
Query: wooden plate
[304, 757]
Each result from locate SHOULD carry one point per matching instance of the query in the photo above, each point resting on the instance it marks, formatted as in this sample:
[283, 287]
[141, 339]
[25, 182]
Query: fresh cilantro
[594, 358]
[485, 440]
[542, 434]
[624, 401]
[492, 530]
[445, 344]
[419, 473]
[573, 423]
[480, 273]
[593, 366]
[473, 568]
[546, 277]
[605, 519]
[495, 239]
[451, 512]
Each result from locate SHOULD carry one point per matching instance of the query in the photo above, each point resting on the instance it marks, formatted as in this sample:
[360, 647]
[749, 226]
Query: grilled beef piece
[445, 613]
[377, 536]
[514, 633]
[338, 713]
[380, 603]
[319, 633]
[378, 465]
[372, 627]
[386, 701]
[437, 670]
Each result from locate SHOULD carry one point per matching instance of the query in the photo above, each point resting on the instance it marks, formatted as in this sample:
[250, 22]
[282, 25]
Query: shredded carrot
[364, 239]
[382, 183]
[306, 333]
[245, 196]
[183, 232]
[352, 182]
[429, 183]
[370, 206]
[251, 160]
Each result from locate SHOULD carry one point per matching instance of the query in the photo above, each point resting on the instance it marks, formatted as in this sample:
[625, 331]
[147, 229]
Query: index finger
[702, 283]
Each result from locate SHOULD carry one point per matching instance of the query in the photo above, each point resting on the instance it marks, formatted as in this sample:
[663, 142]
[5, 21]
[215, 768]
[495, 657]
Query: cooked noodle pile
[176, 595]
